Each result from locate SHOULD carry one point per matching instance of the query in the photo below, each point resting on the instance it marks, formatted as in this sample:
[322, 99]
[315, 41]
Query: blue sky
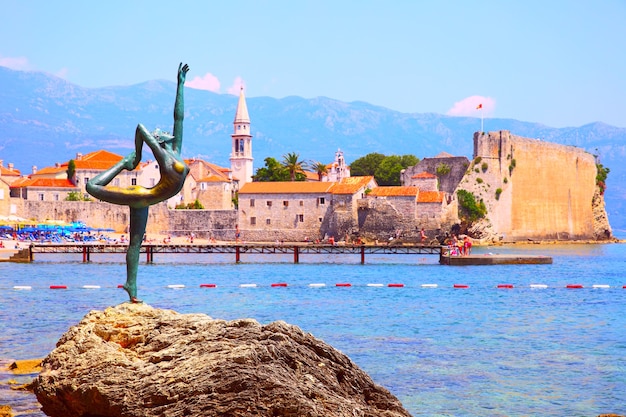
[557, 62]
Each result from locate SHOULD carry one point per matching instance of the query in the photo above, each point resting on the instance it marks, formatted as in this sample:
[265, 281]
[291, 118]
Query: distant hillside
[45, 119]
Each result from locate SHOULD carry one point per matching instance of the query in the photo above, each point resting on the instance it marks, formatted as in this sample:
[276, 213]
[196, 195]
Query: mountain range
[45, 119]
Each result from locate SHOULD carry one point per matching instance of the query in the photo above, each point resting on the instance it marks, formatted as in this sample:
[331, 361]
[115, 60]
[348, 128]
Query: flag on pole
[480, 106]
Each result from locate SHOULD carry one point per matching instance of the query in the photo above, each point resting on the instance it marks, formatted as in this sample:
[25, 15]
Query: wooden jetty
[491, 259]
[293, 249]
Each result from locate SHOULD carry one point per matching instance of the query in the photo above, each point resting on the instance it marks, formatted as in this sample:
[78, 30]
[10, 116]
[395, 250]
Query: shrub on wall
[601, 177]
[512, 166]
[484, 166]
[442, 169]
[498, 192]
[76, 196]
[470, 210]
[196, 205]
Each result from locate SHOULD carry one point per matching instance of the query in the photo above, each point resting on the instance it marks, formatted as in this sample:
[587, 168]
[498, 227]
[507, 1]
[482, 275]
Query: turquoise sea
[479, 351]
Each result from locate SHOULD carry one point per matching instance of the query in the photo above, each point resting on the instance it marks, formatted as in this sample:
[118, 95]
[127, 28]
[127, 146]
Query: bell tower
[241, 153]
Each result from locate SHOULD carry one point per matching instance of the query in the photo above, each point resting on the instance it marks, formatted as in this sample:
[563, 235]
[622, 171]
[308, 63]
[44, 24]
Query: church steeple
[242, 110]
[241, 154]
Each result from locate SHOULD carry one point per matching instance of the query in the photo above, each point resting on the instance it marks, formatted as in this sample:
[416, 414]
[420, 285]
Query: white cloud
[18, 63]
[236, 86]
[207, 82]
[469, 106]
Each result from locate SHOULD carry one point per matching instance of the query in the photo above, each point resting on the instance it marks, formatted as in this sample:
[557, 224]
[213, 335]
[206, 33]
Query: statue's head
[162, 137]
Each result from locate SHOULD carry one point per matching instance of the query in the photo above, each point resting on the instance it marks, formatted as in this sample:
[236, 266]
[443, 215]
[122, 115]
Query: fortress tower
[241, 154]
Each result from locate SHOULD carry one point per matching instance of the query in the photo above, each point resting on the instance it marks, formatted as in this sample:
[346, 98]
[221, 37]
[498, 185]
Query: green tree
[272, 171]
[388, 172]
[71, 171]
[275, 171]
[409, 160]
[293, 164]
[320, 169]
[366, 165]
[386, 169]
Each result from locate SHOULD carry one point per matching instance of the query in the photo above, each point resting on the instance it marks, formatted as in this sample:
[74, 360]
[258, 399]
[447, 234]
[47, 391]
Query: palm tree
[293, 164]
[320, 168]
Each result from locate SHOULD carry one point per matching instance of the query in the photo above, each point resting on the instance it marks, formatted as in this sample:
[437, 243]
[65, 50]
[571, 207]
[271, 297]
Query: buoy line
[338, 284]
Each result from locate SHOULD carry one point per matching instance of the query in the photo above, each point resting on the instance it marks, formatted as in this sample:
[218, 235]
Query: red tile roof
[424, 175]
[9, 172]
[213, 178]
[351, 185]
[96, 160]
[51, 170]
[42, 183]
[430, 197]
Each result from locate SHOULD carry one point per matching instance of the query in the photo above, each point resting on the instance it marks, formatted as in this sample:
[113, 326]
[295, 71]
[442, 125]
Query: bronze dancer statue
[173, 170]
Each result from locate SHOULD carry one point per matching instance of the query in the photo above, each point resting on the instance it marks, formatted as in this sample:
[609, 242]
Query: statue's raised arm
[179, 108]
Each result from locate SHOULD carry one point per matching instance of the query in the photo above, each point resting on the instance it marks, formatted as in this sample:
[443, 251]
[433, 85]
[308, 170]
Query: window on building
[252, 202]
[252, 221]
[301, 203]
[269, 203]
[286, 203]
[133, 181]
[40, 196]
[241, 145]
[301, 218]
[203, 186]
[1, 194]
[268, 221]
[321, 201]
[86, 180]
[55, 197]
[320, 219]
[116, 182]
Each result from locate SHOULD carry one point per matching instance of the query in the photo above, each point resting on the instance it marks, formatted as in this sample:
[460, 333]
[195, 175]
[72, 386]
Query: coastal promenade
[239, 250]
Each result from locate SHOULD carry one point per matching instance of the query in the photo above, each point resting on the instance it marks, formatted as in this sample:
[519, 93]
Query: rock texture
[135, 360]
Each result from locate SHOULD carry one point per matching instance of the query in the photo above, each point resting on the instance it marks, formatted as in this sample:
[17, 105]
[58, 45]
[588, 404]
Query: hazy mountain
[45, 119]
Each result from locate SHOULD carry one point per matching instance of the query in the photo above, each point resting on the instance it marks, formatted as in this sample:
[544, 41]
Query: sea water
[443, 351]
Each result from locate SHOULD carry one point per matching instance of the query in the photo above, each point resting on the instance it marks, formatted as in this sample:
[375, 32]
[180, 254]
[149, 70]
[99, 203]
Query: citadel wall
[533, 189]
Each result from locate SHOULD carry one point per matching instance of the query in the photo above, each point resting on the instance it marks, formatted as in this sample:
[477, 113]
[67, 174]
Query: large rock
[135, 360]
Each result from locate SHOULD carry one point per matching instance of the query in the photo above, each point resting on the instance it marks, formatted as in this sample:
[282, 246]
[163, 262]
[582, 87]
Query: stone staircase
[15, 255]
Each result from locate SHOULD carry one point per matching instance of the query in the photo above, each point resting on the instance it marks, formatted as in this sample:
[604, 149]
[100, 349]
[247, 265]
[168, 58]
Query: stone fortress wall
[533, 189]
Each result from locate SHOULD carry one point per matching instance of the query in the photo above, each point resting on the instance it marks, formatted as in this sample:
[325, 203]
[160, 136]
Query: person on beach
[166, 149]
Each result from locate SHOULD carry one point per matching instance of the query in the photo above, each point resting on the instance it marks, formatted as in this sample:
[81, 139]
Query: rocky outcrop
[601, 227]
[535, 190]
[135, 360]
